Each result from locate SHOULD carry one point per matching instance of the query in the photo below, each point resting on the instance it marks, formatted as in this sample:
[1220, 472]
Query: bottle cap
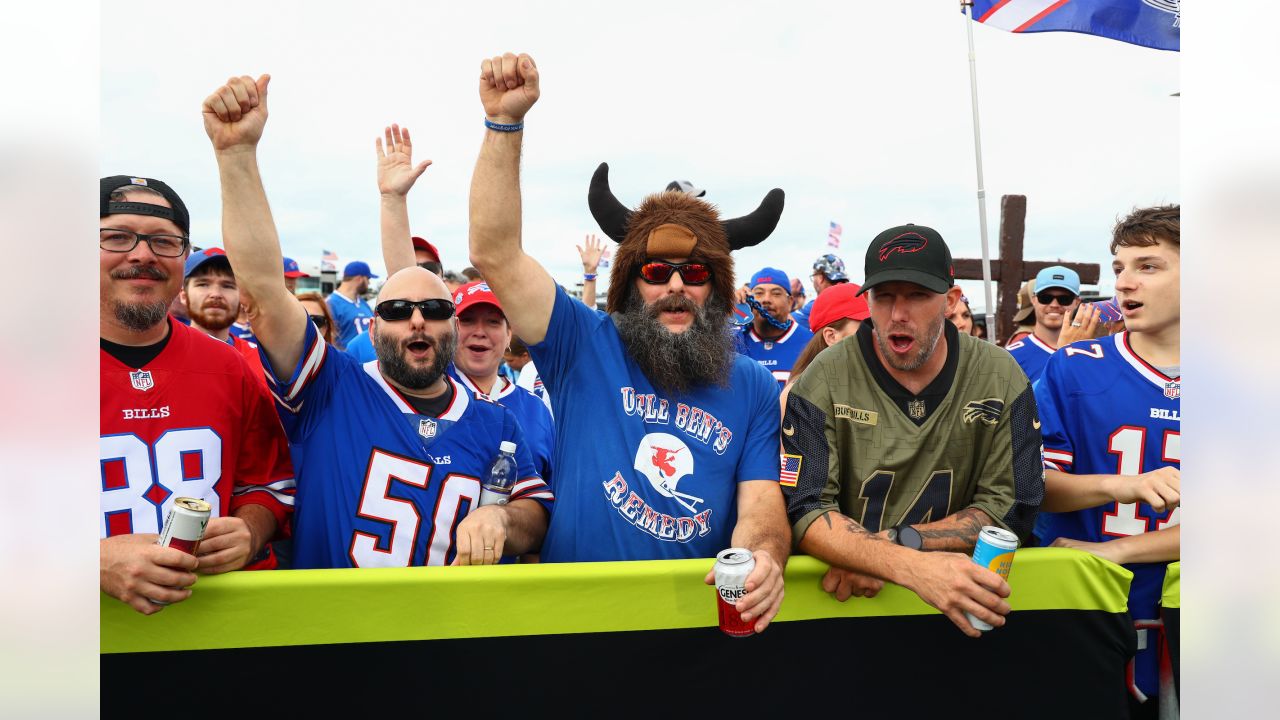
[507, 446]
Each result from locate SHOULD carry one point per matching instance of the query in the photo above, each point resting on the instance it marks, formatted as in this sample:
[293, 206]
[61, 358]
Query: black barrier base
[1046, 664]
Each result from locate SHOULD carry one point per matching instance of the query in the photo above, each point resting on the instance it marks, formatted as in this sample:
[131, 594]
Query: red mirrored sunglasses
[656, 272]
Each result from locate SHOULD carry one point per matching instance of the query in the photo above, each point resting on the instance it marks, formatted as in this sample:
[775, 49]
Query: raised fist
[236, 113]
[508, 87]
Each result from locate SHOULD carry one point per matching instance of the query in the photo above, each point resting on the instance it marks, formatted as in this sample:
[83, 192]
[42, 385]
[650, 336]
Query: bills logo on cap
[907, 242]
[141, 380]
[1173, 390]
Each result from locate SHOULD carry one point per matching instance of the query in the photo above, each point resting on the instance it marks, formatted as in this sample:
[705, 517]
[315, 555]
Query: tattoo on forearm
[958, 532]
[857, 529]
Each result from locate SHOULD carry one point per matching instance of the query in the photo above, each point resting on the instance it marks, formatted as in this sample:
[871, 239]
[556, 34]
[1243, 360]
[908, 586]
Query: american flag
[790, 470]
[833, 235]
[328, 261]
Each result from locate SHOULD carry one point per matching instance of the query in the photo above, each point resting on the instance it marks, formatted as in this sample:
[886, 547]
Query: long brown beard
[676, 363]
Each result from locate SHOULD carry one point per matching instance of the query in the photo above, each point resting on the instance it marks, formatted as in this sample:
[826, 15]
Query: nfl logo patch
[427, 428]
[1173, 390]
[915, 409]
[141, 380]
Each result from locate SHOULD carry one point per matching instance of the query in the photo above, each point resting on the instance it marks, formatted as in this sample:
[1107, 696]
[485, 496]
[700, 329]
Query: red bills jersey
[194, 422]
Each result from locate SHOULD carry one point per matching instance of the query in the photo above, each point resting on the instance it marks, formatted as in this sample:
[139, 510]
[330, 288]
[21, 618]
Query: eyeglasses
[123, 241]
[1047, 298]
[320, 321]
[656, 272]
[397, 310]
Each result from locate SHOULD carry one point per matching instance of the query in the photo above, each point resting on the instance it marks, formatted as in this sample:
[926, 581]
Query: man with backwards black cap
[666, 440]
[182, 414]
[910, 440]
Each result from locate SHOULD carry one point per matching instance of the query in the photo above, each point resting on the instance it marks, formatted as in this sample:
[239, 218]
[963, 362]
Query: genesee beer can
[732, 568]
[183, 527]
[994, 552]
[185, 524]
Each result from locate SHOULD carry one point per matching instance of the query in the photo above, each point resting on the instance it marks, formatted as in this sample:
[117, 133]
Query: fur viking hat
[671, 225]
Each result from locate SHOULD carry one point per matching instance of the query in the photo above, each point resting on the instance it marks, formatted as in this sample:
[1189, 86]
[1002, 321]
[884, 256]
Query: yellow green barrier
[1171, 597]
[315, 607]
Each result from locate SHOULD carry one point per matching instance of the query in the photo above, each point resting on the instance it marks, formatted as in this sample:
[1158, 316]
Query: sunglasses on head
[319, 320]
[397, 310]
[657, 272]
[1047, 298]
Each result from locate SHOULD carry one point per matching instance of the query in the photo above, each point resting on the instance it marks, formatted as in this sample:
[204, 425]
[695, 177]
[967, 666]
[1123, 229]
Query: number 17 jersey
[1107, 411]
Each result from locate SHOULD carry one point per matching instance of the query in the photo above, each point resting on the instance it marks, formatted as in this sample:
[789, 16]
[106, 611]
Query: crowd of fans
[338, 432]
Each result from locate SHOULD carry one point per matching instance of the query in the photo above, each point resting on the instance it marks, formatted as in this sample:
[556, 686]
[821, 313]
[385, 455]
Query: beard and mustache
[676, 363]
[139, 316]
[392, 358]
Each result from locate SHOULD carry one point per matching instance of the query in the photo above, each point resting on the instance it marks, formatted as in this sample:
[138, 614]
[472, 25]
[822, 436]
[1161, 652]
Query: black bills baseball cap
[177, 213]
[910, 253]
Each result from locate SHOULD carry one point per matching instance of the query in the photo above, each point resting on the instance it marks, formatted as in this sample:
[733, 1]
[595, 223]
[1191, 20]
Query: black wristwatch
[906, 536]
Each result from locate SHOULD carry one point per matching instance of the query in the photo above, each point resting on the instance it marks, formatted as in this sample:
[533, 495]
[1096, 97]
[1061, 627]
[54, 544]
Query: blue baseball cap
[357, 267]
[771, 276]
[1057, 276]
[291, 269]
[196, 259]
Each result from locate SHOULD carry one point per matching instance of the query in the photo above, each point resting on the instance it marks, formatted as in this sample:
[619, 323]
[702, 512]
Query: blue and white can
[994, 552]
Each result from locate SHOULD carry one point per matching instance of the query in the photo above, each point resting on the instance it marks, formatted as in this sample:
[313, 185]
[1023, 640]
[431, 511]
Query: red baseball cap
[472, 294]
[834, 303]
[421, 243]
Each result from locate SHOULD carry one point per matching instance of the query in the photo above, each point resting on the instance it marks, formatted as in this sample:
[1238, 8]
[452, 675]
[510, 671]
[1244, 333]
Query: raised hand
[236, 113]
[508, 87]
[396, 171]
[591, 253]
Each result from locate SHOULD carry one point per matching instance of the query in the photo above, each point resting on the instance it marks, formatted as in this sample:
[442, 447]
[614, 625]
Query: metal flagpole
[982, 192]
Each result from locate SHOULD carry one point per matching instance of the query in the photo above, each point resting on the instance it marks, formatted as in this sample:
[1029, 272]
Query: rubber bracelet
[503, 128]
[588, 276]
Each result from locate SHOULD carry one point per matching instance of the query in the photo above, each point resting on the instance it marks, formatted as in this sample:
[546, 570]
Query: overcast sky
[862, 117]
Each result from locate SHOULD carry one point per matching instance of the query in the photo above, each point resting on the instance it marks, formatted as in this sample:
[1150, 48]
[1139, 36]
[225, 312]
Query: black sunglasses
[397, 310]
[656, 272]
[321, 321]
[1047, 298]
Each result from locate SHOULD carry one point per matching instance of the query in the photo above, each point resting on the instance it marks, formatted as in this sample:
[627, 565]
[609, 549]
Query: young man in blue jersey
[666, 440]
[774, 339]
[393, 451]
[1112, 428]
[1055, 295]
[351, 313]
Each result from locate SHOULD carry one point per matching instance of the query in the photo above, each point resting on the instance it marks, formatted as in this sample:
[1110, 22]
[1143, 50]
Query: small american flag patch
[790, 470]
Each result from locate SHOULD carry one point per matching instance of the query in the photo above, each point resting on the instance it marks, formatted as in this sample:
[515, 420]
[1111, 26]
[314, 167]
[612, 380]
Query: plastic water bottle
[496, 489]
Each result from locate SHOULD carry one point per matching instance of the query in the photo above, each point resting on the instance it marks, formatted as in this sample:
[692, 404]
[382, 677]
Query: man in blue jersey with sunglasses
[666, 440]
[393, 450]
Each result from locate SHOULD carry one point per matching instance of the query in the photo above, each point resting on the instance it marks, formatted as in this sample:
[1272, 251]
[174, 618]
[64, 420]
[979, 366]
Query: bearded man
[212, 298]
[910, 439]
[392, 450]
[666, 440]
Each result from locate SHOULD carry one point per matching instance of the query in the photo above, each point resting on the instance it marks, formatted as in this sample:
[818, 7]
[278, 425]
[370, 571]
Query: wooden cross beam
[1009, 271]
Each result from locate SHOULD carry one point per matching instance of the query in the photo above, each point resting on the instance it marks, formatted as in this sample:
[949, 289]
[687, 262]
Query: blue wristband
[588, 276]
[503, 128]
